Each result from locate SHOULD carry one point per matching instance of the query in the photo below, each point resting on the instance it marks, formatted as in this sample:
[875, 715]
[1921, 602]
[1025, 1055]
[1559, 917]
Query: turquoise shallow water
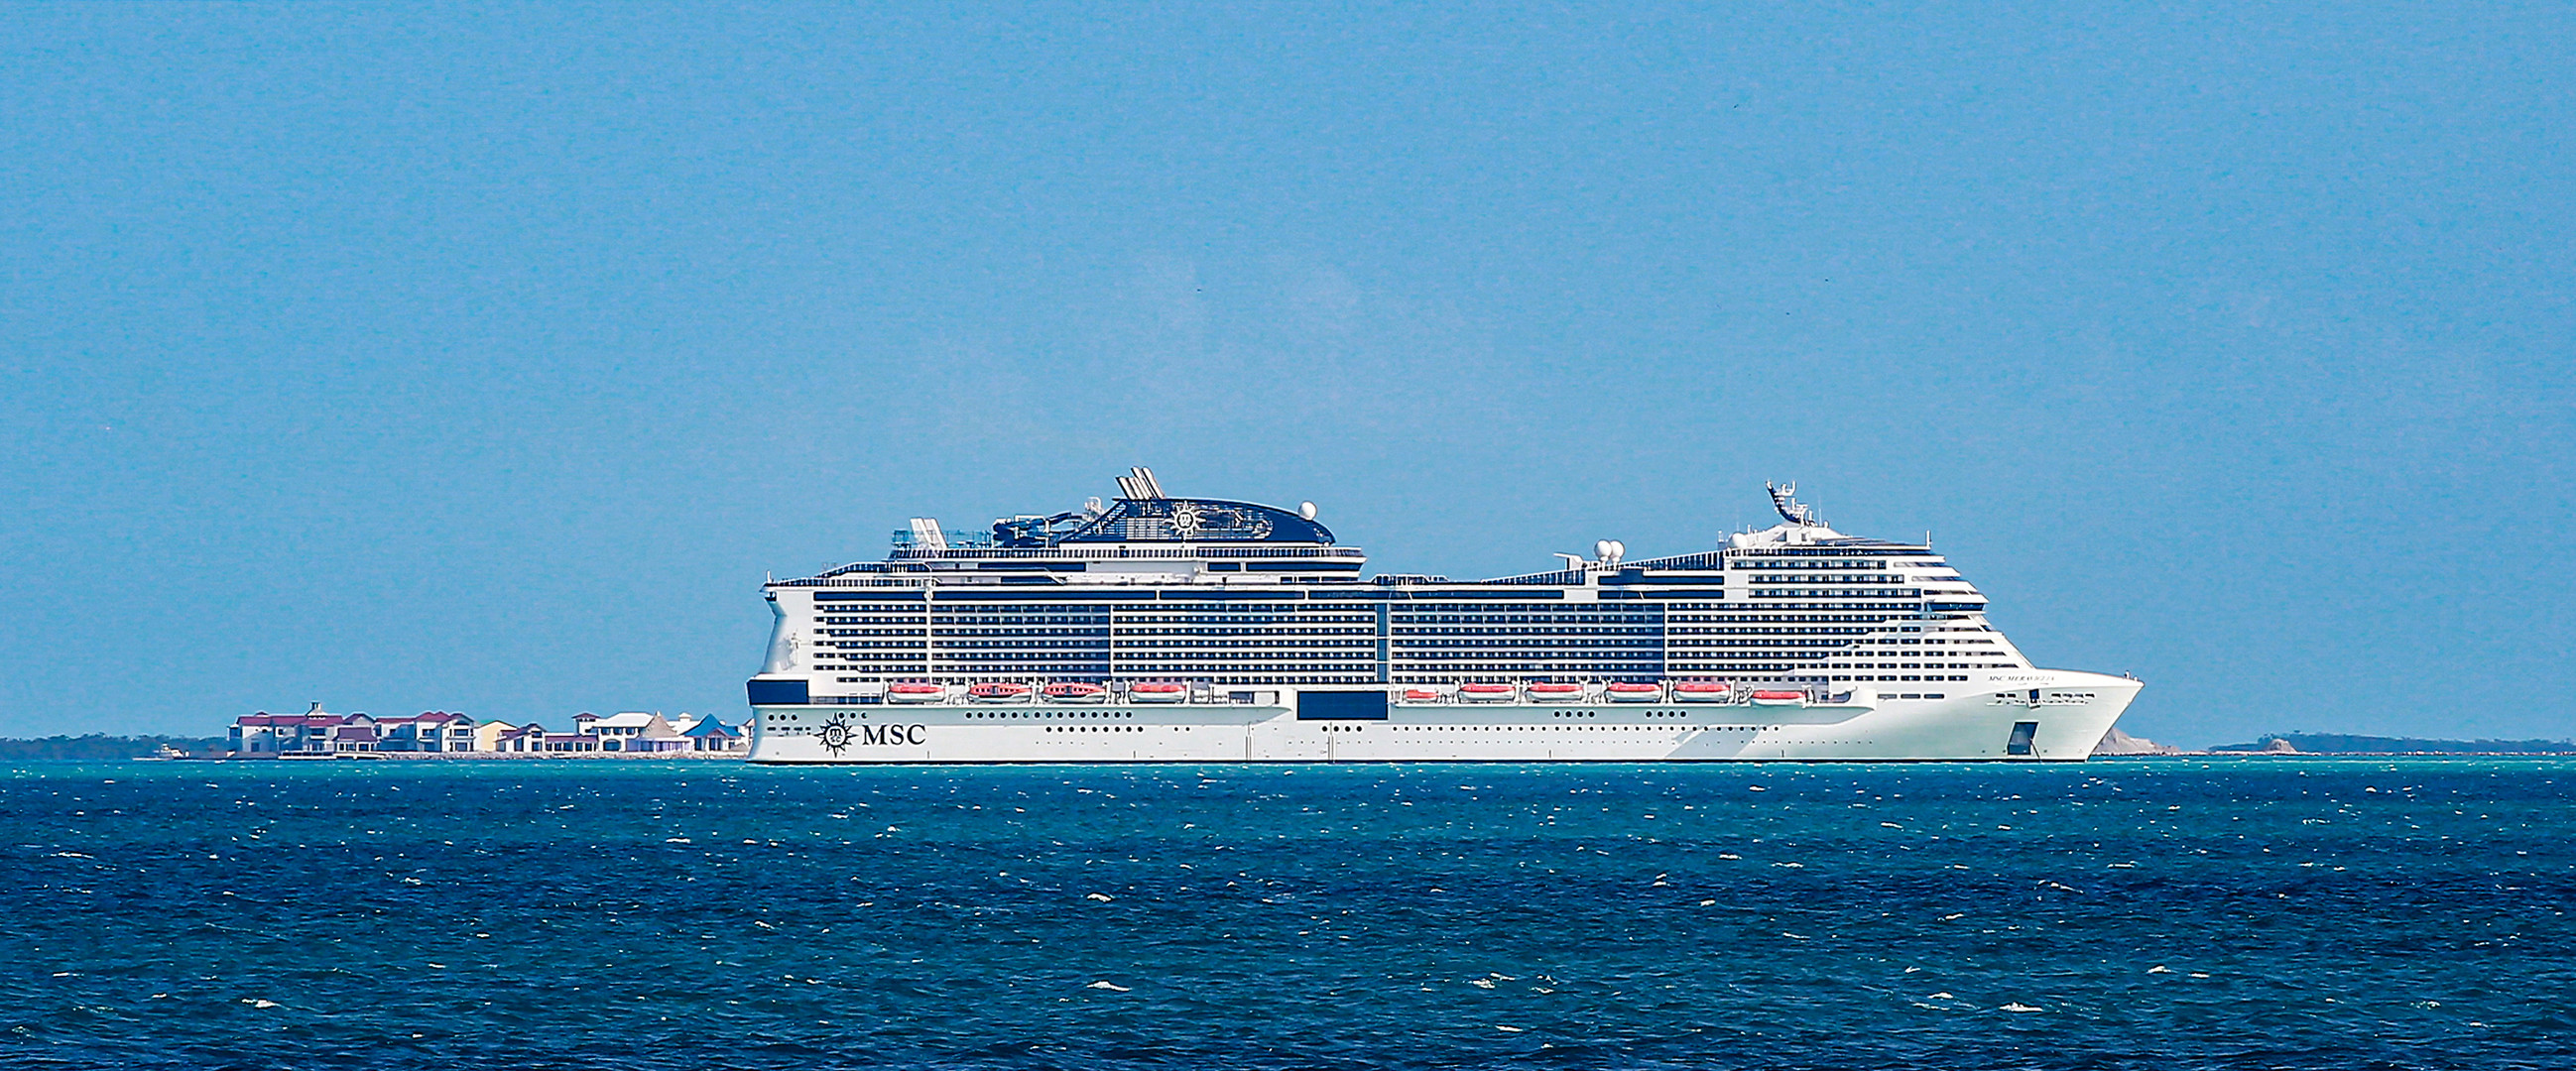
[2304, 913]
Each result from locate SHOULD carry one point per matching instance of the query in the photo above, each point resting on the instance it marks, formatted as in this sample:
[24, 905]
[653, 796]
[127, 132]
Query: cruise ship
[1154, 628]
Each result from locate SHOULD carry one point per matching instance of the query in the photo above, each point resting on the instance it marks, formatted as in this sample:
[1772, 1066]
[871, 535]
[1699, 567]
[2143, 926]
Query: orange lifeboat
[1700, 691]
[1556, 692]
[1779, 699]
[1076, 692]
[1158, 692]
[1487, 693]
[916, 692]
[1633, 692]
[999, 692]
[1421, 695]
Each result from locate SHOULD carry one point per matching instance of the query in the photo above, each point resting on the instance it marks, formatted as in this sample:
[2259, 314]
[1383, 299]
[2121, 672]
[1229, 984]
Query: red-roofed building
[433, 730]
[354, 737]
[314, 732]
[520, 740]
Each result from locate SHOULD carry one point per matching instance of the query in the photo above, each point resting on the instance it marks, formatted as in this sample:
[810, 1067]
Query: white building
[636, 731]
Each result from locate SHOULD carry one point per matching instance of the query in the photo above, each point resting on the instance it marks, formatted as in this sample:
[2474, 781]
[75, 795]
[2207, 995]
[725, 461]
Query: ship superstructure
[1162, 628]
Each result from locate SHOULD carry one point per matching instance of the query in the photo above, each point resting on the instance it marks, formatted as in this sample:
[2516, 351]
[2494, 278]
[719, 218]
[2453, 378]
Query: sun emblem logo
[836, 733]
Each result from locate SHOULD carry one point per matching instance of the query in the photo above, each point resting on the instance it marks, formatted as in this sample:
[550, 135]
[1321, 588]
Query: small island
[2117, 744]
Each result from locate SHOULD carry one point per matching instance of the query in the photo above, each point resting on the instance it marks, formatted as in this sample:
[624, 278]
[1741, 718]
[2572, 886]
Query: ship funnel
[782, 645]
[1139, 484]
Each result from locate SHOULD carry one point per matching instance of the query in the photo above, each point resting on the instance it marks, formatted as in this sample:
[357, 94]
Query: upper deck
[1163, 588]
[1147, 536]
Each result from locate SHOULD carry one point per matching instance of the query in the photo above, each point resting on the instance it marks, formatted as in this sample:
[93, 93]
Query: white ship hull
[1980, 721]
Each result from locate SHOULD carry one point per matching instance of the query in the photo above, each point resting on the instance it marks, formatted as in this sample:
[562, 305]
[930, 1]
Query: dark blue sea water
[603, 914]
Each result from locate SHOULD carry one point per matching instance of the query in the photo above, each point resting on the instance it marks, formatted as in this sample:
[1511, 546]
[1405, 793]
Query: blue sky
[484, 358]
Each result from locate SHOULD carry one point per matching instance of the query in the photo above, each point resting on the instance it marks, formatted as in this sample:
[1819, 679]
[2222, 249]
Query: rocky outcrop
[2116, 742]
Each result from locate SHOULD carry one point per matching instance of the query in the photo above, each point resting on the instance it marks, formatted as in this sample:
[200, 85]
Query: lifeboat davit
[1779, 699]
[999, 692]
[1158, 692]
[1076, 692]
[916, 693]
[1633, 692]
[1554, 692]
[1700, 691]
[1487, 693]
[1421, 695]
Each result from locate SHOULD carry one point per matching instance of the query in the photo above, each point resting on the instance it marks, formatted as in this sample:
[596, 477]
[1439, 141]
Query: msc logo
[838, 734]
[894, 735]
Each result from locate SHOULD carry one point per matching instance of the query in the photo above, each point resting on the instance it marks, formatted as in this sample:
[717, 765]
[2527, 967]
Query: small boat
[1487, 693]
[1633, 692]
[1076, 692]
[1158, 692]
[916, 692]
[1700, 691]
[1421, 695]
[1779, 699]
[1555, 692]
[999, 692]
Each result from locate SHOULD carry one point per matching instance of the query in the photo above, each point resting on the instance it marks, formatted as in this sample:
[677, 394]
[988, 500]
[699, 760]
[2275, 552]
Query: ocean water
[600, 914]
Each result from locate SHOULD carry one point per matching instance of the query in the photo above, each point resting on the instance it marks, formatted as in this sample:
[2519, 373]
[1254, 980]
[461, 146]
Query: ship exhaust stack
[1139, 485]
[782, 643]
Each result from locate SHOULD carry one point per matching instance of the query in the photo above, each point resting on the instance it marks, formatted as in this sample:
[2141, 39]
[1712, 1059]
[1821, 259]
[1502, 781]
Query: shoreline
[453, 756]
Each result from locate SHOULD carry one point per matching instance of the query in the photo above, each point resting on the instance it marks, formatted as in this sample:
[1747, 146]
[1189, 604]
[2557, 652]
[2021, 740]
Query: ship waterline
[1162, 629]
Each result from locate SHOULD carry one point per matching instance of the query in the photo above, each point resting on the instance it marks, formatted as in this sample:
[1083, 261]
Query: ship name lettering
[893, 735]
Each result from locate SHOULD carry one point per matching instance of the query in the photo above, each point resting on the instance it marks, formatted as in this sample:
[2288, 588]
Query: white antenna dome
[1602, 550]
[1306, 510]
[1618, 550]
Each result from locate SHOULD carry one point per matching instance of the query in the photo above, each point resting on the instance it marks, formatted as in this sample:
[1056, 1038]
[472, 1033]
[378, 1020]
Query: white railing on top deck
[1180, 552]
